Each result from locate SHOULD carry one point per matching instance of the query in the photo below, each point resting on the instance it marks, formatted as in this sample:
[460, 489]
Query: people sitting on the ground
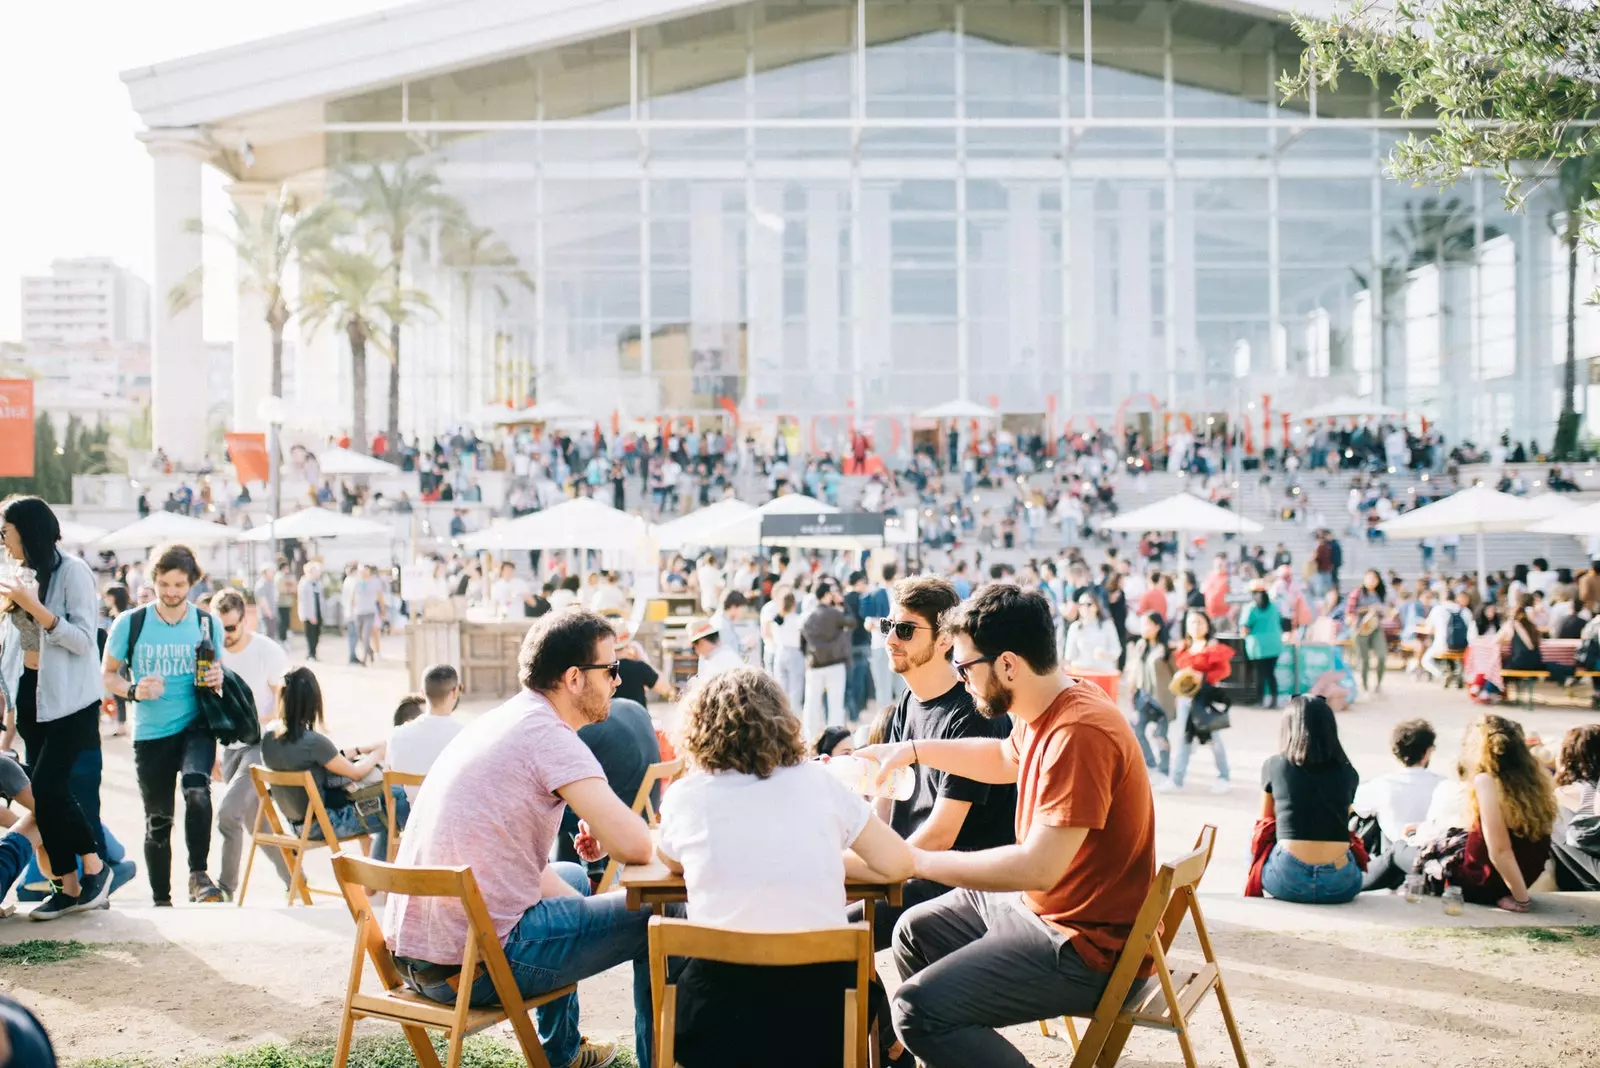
[975, 960]
[294, 743]
[1575, 846]
[1451, 629]
[1092, 639]
[1149, 680]
[529, 750]
[1303, 850]
[834, 741]
[944, 811]
[1400, 801]
[763, 837]
[625, 744]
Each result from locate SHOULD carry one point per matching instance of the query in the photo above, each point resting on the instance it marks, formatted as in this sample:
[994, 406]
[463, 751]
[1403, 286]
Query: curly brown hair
[740, 721]
[1496, 745]
[1580, 756]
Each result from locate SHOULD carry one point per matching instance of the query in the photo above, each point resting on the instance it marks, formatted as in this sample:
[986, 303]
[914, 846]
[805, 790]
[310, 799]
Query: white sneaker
[1221, 786]
[1167, 786]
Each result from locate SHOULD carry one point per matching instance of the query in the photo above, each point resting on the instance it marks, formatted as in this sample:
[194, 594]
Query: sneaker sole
[101, 901]
[45, 917]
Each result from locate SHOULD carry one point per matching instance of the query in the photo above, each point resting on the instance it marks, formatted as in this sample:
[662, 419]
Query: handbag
[1209, 713]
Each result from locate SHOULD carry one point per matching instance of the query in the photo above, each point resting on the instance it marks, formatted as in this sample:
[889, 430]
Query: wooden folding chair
[397, 1002]
[392, 779]
[1172, 1000]
[293, 847]
[664, 772]
[679, 938]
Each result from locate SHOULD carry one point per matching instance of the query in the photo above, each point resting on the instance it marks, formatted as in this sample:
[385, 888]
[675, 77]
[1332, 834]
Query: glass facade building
[846, 210]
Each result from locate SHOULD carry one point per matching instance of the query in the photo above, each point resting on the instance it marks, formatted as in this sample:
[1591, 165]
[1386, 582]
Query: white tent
[685, 529]
[1551, 505]
[1479, 510]
[80, 533]
[491, 415]
[549, 410]
[1350, 408]
[1580, 522]
[319, 523]
[745, 530]
[336, 461]
[581, 523]
[959, 409]
[1185, 512]
[158, 528]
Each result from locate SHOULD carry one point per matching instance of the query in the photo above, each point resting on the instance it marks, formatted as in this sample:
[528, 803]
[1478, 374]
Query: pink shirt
[490, 803]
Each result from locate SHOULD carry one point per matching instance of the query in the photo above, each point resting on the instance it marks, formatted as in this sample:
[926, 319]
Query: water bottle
[860, 776]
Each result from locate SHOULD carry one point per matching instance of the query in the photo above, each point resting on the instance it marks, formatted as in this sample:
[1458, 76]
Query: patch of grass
[1527, 935]
[42, 951]
[481, 1051]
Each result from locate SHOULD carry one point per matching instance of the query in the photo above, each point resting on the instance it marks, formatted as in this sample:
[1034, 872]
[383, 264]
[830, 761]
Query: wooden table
[654, 883]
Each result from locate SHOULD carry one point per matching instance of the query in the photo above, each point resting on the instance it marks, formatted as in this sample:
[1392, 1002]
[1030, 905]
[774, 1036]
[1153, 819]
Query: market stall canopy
[581, 523]
[336, 461]
[684, 530]
[745, 530]
[319, 523]
[550, 410]
[1350, 408]
[1479, 510]
[1185, 512]
[959, 409]
[158, 528]
[1550, 505]
[80, 533]
[1580, 522]
[491, 415]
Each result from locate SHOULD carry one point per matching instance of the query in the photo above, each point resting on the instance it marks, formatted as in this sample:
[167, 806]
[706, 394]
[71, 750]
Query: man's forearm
[978, 759]
[1001, 869]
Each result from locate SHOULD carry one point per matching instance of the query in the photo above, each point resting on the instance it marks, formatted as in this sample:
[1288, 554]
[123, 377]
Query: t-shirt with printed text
[164, 649]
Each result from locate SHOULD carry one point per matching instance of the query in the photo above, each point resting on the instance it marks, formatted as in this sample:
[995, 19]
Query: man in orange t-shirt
[1035, 928]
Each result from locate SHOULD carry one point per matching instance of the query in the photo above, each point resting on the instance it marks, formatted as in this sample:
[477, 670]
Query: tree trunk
[277, 319]
[393, 435]
[359, 441]
[1569, 384]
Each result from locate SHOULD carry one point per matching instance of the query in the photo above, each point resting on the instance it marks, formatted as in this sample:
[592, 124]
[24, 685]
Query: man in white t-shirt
[260, 662]
[414, 746]
[509, 593]
[1400, 801]
[1438, 624]
[716, 655]
[1540, 578]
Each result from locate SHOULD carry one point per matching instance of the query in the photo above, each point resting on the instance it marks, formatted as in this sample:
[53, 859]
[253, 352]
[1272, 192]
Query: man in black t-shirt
[625, 744]
[945, 811]
[637, 674]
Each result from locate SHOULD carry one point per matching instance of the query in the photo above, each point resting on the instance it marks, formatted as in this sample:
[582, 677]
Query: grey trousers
[971, 962]
[236, 817]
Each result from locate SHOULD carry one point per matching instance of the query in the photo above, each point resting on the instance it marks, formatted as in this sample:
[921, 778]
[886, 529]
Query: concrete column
[822, 294]
[769, 370]
[252, 347]
[178, 355]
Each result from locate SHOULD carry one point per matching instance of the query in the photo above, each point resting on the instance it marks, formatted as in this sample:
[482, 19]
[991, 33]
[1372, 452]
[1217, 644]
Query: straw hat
[1186, 683]
[703, 629]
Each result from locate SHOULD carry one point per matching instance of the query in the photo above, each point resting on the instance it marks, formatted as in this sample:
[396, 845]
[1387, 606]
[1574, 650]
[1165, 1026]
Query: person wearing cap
[705, 638]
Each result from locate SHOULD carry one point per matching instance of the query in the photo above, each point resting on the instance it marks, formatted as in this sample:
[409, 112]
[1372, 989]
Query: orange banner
[16, 428]
[249, 455]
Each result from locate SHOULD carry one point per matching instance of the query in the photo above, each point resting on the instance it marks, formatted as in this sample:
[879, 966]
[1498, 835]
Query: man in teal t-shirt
[171, 742]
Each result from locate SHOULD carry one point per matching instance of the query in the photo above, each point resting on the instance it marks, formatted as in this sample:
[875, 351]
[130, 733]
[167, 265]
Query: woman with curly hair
[1576, 852]
[764, 838]
[1511, 808]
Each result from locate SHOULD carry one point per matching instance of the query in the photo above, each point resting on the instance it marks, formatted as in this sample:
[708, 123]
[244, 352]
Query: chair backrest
[265, 778]
[391, 780]
[664, 772]
[679, 938]
[358, 876]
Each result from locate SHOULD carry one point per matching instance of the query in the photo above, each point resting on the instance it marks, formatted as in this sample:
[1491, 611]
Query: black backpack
[1455, 632]
[231, 715]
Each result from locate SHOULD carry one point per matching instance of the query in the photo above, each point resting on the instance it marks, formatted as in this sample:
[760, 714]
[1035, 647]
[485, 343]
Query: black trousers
[1575, 868]
[1266, 669]
[53, 749]
[313, 632]
[283, 624]
[160, 763]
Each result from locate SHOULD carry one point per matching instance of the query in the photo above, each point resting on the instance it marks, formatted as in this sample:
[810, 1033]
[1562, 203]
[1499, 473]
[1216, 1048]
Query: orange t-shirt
[1078, 765]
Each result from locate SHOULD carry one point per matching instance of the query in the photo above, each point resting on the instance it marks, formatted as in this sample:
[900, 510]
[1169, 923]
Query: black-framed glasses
[231, 630]
[614, 668]
[903, 629]
[961, 666]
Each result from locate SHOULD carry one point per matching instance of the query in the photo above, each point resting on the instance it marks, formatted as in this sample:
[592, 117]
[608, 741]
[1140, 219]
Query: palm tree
[353, 289]
[266, 247]
[477, 256]
[1577, 180]
[396, 202]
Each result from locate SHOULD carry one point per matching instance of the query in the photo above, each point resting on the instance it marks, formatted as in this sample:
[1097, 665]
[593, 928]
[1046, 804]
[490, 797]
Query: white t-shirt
[509, 595]
[725, 658]
[1439, 626]
[414, 746]
[1398, 799]
[609, 598]
[763, 854]
[789, 630]
[261, 665]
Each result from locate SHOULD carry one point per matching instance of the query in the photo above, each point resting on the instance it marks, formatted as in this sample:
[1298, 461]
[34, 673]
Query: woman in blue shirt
[49, 639]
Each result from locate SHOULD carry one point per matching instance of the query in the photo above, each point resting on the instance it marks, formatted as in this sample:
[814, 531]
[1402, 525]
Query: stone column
[252, 347]
[177, 345]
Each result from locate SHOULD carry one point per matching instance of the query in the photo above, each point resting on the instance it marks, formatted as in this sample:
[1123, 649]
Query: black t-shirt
[858, 631]
[1311, 803]
[637, 677]
[625, 745]
[992, 819]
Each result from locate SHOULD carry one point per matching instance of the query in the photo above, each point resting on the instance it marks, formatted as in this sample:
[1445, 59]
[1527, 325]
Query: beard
[174, 600]
[596, 704]
[994, 702]
[905, 661]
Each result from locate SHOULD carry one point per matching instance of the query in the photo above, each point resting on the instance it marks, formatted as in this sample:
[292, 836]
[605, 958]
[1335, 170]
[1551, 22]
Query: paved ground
[1353, 985]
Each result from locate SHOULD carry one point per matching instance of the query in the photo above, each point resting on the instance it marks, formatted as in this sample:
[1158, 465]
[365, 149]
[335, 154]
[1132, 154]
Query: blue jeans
[1288, 878]
[1143, 720]
[402, 812]
[1183, 749]
[560, 941]
[362, 817]
[15, 852]
[858, 680]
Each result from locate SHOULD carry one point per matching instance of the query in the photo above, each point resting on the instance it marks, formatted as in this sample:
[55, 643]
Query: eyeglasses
[902, 629]
[231, 630]
[961, 666]
[615, 668]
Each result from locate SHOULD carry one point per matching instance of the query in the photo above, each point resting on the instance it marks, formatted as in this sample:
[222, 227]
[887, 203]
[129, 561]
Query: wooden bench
[1524, 681]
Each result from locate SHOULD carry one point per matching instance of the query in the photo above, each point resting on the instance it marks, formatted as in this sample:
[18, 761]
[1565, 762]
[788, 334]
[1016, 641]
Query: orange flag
[16, 428]
[249, 453]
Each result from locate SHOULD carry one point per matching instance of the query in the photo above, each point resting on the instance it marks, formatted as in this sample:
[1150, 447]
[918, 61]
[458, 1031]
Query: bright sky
[73, 180]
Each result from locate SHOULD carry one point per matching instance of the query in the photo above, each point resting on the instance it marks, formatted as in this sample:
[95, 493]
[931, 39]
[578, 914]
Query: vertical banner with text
[16, 428]
[249, 455]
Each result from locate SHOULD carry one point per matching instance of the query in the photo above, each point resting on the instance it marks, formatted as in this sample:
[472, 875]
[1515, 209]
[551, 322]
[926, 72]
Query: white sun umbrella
[1551, 505]
[319, 523]
[1579, 521]
[1479, 510]
[158, 528]
[336, 461]
[581, 523]
[1188, 513]
[1351, 408]
[745, 530]
[547, 411]
[959, 409]
[80, 533]
[685, 529]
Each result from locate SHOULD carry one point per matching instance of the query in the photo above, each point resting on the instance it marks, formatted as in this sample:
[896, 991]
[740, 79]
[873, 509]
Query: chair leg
[1233, 1027]
[528, 1039]
[341, 1048]
[244, 883]
[1183, 1044]
[297, 878]
[1111, 1052]
[1072, 1031]
[452, 1057]
[421, 1046]
[1044, 1029]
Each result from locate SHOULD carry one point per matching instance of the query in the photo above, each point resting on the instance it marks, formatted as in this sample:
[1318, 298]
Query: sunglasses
[902, 629]
[614, 668]
[961, 666]
[231, 630]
